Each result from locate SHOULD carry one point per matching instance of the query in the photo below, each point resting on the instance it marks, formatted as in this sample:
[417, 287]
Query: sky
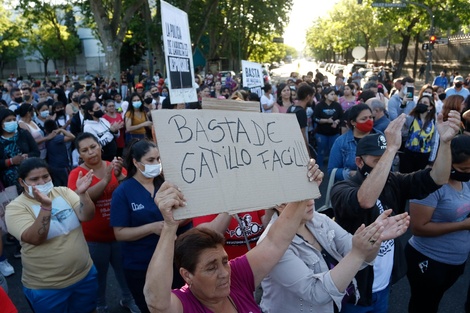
[303, 13]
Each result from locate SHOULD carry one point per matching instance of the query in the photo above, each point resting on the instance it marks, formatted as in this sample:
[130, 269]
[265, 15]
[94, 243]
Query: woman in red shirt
[104, 249]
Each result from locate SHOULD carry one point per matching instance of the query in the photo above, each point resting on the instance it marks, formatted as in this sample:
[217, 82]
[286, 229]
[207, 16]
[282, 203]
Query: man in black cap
[374, 189]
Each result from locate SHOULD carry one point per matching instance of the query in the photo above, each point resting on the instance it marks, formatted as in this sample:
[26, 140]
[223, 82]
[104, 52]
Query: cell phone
[410, 91]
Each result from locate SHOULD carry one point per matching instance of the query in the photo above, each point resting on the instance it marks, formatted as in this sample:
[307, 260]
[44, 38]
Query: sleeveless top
[37, 133]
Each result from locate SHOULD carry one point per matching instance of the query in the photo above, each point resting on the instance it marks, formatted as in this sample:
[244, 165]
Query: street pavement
[453, 300]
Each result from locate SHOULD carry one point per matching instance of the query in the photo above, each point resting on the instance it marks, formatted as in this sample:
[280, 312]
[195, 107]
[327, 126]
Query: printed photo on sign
[252, 76]
[178, 54]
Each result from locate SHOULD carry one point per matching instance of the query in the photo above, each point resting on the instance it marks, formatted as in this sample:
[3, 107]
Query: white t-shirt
[383, 263]
[268, 101]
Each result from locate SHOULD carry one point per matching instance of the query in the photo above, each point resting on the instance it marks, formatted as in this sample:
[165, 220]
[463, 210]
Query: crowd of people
[83, 159]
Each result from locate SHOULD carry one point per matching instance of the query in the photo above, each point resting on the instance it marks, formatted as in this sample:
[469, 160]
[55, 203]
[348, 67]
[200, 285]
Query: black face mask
[60, 112]
[226, 96]
[75, 99]
[442, 96]
[19, 99]
[98, 114]
[366, 169]
[148, 100]
[155, 94]
[421, 108]
[26, 98]
[459, 176]
[458, 84]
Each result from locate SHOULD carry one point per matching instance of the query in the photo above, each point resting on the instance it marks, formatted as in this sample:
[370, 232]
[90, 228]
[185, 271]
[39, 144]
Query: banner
[230, 161]
[178, 54]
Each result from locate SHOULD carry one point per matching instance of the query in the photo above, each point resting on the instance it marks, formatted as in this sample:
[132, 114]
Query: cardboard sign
[253, 77]
[178, 54]
[229, 161]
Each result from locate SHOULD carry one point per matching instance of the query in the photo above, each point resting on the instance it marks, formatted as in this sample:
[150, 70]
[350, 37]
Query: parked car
[352, 67]
[321, 64]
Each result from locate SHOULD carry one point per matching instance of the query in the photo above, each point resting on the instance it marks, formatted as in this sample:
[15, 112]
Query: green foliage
[11, 33]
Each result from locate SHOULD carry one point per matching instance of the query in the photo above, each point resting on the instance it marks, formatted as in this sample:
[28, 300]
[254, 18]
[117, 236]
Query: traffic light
[432, 39]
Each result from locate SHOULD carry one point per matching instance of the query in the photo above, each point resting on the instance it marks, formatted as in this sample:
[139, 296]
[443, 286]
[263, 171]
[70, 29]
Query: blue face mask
[165, 94]
[44, 114]
[136, 104]
[10, 127]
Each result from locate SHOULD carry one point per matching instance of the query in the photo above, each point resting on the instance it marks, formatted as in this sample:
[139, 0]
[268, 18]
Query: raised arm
[374, 183]
[447, 130]
[86, 210]
[157, 289]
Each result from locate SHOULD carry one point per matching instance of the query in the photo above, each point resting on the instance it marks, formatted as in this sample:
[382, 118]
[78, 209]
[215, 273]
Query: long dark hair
[279, 94]
[131, 108]
[137, 149]
[88, 107]
[431, 115]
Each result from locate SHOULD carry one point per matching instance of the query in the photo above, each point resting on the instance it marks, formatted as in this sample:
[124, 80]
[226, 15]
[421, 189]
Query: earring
[190, 285]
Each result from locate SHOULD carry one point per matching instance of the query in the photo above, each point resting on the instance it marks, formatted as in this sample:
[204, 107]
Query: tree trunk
[406, 36]
[415, 60]
[46, 62]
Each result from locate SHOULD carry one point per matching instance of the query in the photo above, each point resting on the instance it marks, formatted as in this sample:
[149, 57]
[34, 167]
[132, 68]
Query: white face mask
[151, 170]
[44, 189]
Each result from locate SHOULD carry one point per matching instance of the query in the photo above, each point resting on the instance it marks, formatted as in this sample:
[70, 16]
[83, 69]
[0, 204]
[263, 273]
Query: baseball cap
[458, 79]
[139, 85]
[373, 144]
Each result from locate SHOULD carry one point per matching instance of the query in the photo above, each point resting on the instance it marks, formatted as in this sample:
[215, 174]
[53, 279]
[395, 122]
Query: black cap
[373, 144]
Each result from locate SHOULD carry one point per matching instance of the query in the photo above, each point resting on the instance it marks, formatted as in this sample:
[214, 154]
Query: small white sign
[253, 77]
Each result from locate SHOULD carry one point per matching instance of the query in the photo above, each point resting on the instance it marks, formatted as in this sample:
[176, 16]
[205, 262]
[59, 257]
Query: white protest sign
[178, 54]
[252, 76]
[229, 161]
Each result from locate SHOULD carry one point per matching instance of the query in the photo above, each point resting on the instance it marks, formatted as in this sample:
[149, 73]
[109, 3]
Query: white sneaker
[6, 269]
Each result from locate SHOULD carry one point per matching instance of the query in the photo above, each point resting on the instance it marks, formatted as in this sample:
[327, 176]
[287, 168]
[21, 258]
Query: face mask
[44, 189]
[75, 99]
[98, 114]
[148, 100]
[155, 94]
[19, 99]
[60, 112]
[44, 114]
[226, 96]
[421, 108]
[442, 96]
[10, 127]
[151, 170]
[136, 104]
[165, 94]
[365, 170]
[26, 98]
[459, 176]
[366, 126]
[458, 84]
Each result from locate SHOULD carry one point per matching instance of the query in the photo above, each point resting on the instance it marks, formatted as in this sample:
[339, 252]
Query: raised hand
[314, 172]
[366, 241]
[448, 129]
[168, 198]
[41, 198]
[117, 166]
[394, 226]
[393, 132]
[83, 182]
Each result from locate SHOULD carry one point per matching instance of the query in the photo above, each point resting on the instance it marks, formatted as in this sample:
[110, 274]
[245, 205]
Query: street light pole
[431, 32]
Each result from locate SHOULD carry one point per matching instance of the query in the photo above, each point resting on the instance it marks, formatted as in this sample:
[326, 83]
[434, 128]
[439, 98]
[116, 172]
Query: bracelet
[9, 162]
[43, 208]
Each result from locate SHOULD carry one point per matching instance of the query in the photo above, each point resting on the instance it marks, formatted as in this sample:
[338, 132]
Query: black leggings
[429, 280]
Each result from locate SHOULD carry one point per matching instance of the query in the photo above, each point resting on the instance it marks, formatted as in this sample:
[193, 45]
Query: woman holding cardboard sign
[135, 217]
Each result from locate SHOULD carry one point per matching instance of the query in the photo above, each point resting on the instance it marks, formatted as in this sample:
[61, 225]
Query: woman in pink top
[213, 284]
[348, 100]
[284, 99]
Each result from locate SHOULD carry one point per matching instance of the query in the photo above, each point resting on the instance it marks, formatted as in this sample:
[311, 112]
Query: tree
[11, 33]
[110, 19]
[54, 36]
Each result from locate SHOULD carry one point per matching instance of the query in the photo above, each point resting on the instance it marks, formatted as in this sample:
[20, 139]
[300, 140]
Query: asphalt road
[453, 301]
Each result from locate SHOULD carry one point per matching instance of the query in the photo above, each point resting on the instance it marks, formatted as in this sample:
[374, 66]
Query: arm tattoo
[44, 226]
[80, 209]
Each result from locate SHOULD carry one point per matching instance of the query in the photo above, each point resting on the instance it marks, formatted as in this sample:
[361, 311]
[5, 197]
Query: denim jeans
[379, 304]
[103, 254]
[324, 144]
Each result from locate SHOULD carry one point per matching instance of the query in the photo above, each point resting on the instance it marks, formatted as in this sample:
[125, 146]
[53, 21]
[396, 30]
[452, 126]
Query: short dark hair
[407, 79]
[354, 112]
[460, 147]
[50, 126]
[30, 164]
[190, 245]
[304, 91]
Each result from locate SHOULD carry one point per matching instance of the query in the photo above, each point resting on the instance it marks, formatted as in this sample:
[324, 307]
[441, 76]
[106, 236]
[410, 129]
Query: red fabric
[6, 306]
[98, 229]
[235, 244]
[120, 141]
